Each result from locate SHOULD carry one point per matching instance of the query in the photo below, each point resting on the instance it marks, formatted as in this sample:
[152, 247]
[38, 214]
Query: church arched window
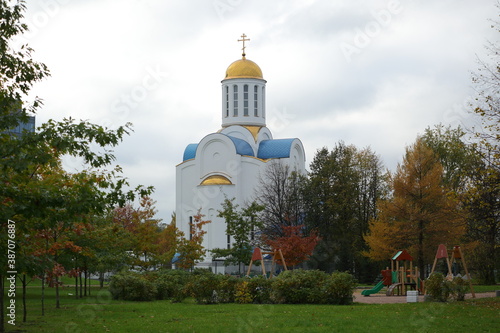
[255, 101]
[245, 100]
[235, 101]
[227, 101]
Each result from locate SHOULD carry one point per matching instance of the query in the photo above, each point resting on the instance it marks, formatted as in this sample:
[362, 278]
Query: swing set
[456, 254]
[258, 255]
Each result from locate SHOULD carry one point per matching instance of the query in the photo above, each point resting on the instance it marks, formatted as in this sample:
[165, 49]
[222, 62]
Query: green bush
[260, 289]
[226, 288]
[212, 288]
[131, 286]
[298, 287]
[459, 287]
[339, 288]
[437, 287]
[171, 284]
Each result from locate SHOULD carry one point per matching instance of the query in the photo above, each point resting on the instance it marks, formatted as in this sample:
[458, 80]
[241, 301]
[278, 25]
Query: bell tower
[243, 93]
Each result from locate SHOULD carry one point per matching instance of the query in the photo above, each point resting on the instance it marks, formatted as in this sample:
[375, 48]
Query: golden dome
[243, 68]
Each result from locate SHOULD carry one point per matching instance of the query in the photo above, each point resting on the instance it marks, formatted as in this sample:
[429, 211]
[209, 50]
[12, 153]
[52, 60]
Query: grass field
[99, 313]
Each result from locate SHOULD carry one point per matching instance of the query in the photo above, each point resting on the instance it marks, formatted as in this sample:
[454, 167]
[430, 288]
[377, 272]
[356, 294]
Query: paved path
[383, 299]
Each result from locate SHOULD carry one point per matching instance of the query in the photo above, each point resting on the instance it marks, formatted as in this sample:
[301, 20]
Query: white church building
[228, 162]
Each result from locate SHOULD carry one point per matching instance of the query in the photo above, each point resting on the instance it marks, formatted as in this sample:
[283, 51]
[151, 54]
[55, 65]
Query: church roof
[243, 68]
[190, 151]
[242, 147]
[279, 148]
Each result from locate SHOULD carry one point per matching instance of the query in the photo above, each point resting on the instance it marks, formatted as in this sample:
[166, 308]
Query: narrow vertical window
[255, 101]
[228, 242]
[263, 97]
[227, 101]
[245, 100]
[235, 101]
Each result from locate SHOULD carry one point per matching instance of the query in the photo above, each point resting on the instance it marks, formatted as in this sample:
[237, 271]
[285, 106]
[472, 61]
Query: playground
[382, 298]
[403, 279]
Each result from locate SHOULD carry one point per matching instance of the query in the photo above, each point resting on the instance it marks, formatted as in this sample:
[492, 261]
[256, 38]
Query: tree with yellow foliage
[421, 213]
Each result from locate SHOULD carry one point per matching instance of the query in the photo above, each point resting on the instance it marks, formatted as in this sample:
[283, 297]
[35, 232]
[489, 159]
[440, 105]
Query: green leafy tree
[242, 226]
[483, 222]
[457, 157]
[482, 198]
[340, 195]
[32, 186]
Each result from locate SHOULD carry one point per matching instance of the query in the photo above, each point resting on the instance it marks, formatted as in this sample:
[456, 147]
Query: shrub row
[292, 287]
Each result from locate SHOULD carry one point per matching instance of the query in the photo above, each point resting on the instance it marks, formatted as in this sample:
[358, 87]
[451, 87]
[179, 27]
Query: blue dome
[190, 151]
[242, 147]
[279, 148]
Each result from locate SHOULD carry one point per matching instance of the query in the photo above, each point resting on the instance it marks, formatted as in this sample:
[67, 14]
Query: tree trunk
[2, 318]
[420, 253]
[101, 280]
[76, 286]
[43, 294]
[86, 282]
[58, 303]
[81, 287]
[24, 281]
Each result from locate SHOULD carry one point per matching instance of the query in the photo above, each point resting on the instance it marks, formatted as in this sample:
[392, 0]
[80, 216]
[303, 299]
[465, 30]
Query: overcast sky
[369, 73]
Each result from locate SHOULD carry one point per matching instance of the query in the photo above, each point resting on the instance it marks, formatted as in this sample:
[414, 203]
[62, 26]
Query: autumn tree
[241, 227]
[294, 244]
[191, 249]
[145, 232]
[167, 244]
[475, 181]
[421, 213]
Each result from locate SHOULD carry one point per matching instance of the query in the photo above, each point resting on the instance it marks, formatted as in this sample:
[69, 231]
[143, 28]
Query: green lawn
[99, 313]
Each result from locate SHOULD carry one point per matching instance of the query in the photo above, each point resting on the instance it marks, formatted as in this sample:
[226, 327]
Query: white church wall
[216, 155]
[264, 134]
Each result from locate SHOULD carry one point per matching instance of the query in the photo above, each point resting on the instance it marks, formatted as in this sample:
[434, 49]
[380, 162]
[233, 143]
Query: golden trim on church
[216, 180]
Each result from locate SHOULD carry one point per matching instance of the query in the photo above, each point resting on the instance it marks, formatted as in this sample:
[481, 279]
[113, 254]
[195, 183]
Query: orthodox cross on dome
[243, 39]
